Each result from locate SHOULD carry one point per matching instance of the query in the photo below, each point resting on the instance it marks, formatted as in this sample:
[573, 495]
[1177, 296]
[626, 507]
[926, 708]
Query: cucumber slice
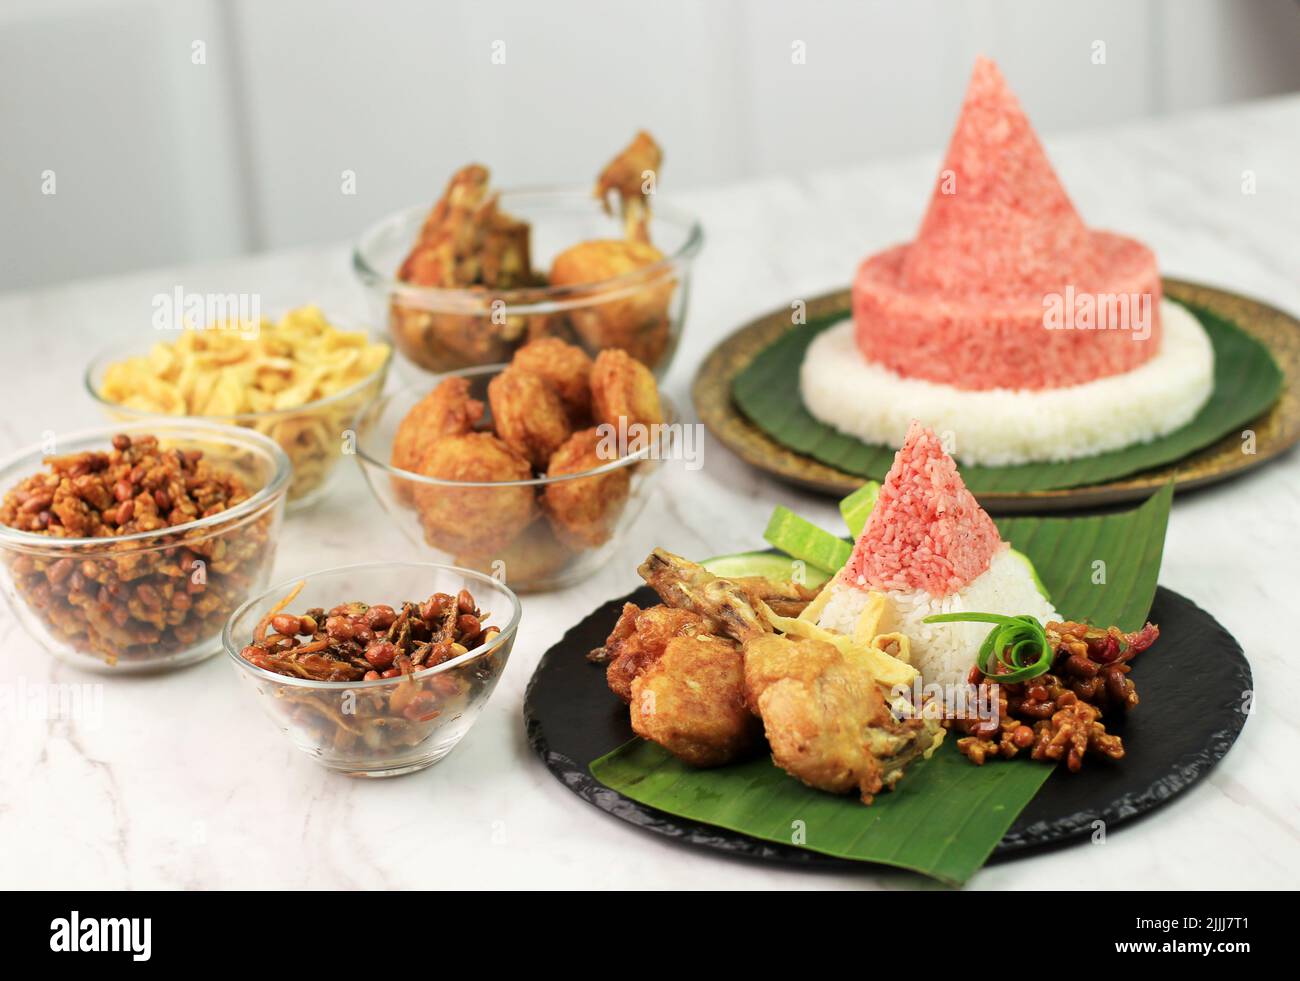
[802, 539]
[769, 565]
[856, 508]
[1038, 583]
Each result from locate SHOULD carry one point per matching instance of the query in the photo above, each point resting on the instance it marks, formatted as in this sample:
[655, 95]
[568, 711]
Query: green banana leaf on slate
[946, 816]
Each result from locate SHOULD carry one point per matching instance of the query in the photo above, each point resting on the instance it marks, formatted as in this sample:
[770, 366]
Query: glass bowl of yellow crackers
[300, 380]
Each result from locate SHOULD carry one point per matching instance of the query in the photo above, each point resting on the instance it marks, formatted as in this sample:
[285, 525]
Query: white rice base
[944, 652]
[1001, 426]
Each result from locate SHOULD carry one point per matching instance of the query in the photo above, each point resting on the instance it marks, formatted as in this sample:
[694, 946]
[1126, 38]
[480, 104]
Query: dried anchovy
[355, 641]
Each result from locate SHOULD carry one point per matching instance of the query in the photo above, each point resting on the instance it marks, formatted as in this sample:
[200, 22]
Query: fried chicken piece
[505, 260]
[584, 511]
[566, 368]
[448, 410]
[623, 392]
[450, 233]
[691, 702]
[639, 639]
[630, 176]
[551, 326]
[624, 630]
[441, 342]
[685, 585]
[635, 314]
[466, 241]
[478, 520]
[523, 564]
[528, 415]
[826, 719]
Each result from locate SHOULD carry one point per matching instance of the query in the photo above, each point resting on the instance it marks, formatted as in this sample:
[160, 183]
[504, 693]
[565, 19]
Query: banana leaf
[946, 816]
[1246, 382]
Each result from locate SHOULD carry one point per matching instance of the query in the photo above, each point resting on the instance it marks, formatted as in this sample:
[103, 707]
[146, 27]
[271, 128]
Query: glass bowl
[315, 435]
[507, 528]
[151, 600]
[445, 330]
[386, 727]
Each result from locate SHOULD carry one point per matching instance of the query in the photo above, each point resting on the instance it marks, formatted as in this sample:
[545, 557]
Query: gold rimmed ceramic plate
[1275, 430]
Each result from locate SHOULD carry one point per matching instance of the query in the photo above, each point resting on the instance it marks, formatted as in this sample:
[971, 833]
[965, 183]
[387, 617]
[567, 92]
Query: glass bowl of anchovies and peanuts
[126, 548]
[377, 669]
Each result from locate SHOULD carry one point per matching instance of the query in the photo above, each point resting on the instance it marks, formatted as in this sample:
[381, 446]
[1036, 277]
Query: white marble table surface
[183, 783]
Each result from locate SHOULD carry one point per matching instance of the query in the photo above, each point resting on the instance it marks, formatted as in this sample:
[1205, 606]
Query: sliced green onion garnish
[1011, 643]
[856, 508]
[801, 539]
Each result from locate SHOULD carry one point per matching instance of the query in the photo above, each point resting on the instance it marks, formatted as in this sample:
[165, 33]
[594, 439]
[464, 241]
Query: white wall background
[158, 160]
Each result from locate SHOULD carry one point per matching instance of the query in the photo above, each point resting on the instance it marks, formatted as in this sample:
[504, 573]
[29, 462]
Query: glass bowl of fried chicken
[470, 281]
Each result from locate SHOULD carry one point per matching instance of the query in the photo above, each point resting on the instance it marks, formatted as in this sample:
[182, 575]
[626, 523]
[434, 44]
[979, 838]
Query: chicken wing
[466, 243]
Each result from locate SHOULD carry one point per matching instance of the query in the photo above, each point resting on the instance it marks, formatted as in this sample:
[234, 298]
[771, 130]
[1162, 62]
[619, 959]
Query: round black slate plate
[1193, 684]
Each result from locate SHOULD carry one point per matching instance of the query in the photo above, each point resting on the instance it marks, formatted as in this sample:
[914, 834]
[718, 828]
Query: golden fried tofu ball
[479, 520]
[523, 564]
[623, 390]
[691, 702]
[585, 510]
[448, 410]
[528, 415]
[565, 367]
